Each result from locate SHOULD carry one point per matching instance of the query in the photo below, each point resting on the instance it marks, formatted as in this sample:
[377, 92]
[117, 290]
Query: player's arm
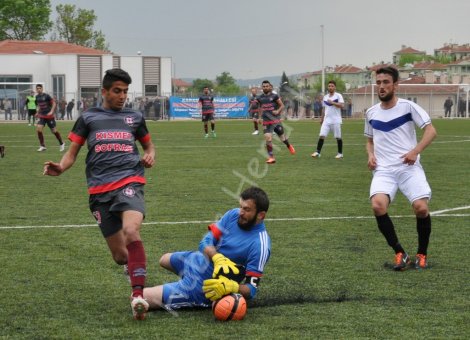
[427, 138]
[148, 158]
[280, 107]
[371, 160]
[53, 107]
[69, 158]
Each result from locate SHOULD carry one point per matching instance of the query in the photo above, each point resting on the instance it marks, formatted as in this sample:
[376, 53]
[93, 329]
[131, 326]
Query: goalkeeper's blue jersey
[250, 248]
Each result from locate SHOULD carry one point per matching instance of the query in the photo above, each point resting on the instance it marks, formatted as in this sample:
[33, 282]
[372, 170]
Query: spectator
[448, 107]
[70, 106]
[8, 107]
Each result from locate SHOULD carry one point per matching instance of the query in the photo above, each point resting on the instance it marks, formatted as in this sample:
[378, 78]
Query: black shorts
[254, 115]
[31, 112]
[49, 122]
[106, 207]
[270, 127]
[207, 117]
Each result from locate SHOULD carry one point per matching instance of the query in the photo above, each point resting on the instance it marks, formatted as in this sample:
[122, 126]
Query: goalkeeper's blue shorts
[193, 268]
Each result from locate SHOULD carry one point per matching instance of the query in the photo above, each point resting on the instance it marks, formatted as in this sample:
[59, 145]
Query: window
[58, 86]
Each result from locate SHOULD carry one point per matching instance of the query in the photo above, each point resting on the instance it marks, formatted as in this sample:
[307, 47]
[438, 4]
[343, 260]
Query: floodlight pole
[322, 61]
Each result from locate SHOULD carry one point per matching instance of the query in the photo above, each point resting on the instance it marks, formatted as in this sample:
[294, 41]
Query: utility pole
[322, 61]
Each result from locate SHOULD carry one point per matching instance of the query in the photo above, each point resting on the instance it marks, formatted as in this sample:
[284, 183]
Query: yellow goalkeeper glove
[223, 263]
[214, 289]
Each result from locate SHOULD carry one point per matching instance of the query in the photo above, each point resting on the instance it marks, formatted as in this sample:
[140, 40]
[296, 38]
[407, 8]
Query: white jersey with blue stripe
[250, 248]
[332, 113]
[393, 131]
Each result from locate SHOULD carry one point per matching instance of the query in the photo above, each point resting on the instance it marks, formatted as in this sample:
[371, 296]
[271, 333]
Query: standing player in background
[238, 238]
[207, 111]
[254, 110]
[45, 112]
[271, 107]
[31, 107]
[393, 156]
[331, 119]
[115, 176]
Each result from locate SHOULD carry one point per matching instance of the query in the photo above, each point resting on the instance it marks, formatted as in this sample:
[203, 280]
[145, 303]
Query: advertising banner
[225, 107]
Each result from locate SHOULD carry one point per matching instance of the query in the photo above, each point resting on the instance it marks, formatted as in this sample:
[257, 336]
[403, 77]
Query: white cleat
[62, 147]
[42, 148]
[316, 155]
[256, 132]
[339, 156]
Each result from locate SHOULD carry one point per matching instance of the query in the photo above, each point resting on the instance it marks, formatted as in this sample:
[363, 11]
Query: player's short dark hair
[332, 82]
[266, 82]
[38, 85]
[390, 71]
[113, 75]
[259, 196]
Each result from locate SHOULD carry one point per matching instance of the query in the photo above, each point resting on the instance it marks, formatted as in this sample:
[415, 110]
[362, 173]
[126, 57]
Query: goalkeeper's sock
[387, 229]
[423, 226]
[320, 144]
[136, 263]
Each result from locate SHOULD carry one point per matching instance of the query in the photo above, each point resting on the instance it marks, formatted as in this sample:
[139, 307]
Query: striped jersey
[268, 103]
[113, 158]
[207, 104]
[393, 130]
[254, 105]
[250, 248]
[44, 102]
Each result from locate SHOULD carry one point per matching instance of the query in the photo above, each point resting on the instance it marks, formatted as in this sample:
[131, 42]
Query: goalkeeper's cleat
[339, 156]
[271, 160]
[139, 307]
[421, 261]
[402, 260]
[291, 149]
[316, 154]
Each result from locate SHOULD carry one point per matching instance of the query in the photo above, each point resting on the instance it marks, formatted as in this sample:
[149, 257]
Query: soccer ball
[229, 307]
[235, 277]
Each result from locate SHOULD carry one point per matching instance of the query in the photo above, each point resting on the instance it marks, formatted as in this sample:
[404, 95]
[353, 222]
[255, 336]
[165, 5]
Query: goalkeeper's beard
[248, 224]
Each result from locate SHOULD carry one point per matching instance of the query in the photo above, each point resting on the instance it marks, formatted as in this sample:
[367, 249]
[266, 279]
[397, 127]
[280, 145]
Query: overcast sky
[253, 38]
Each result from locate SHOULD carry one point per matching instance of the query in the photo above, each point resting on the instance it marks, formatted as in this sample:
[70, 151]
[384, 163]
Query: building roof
[180, 83]
[345, 69]
[45, 47]
[413, 89]
[375, 67]
[453, 48]
[429, 65]
[409, 50]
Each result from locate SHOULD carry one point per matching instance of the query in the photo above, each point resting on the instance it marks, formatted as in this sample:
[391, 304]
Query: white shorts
[326, 128]
[410, 179]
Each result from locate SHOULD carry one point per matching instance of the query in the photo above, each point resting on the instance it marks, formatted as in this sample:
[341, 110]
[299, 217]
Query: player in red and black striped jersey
[45, 108]
[115, 176]
[271, 108]
[207, 111]
[254, 109]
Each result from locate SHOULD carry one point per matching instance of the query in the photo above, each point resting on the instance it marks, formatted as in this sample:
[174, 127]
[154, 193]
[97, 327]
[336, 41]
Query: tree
[24, 19]
[75, 25]
[199, 84]
[226, 84]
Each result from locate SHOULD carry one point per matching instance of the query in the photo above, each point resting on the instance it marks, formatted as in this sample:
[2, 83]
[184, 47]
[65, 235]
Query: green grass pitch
[327, 276]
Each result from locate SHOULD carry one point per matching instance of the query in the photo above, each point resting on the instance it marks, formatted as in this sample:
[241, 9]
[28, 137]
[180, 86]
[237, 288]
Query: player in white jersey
[331, 119]
[393, 156]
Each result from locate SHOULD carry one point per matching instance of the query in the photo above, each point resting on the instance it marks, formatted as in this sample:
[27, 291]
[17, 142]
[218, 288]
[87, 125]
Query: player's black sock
[205, 129]
[212, 127]
[256, 125]
[286, 142]
[340, 145]
[387, 229]
[423, 226]
[320, 144]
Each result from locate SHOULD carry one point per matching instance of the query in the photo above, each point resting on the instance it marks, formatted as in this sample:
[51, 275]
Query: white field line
[441, 213]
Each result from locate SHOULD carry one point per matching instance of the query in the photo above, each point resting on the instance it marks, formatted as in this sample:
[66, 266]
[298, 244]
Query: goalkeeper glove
[214, 289]
[223, 263]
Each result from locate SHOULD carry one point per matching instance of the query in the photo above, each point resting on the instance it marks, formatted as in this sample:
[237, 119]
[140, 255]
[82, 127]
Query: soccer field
[327, 277]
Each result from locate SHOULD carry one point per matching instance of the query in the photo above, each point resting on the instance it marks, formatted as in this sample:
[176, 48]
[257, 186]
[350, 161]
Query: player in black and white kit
[207, 111]
[115, 176]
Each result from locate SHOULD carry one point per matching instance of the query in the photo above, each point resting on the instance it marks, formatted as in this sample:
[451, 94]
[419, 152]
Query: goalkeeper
[238, 239]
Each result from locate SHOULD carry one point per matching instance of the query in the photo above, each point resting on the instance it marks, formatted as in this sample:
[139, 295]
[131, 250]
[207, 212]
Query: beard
[248, 224]
[387, 97]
